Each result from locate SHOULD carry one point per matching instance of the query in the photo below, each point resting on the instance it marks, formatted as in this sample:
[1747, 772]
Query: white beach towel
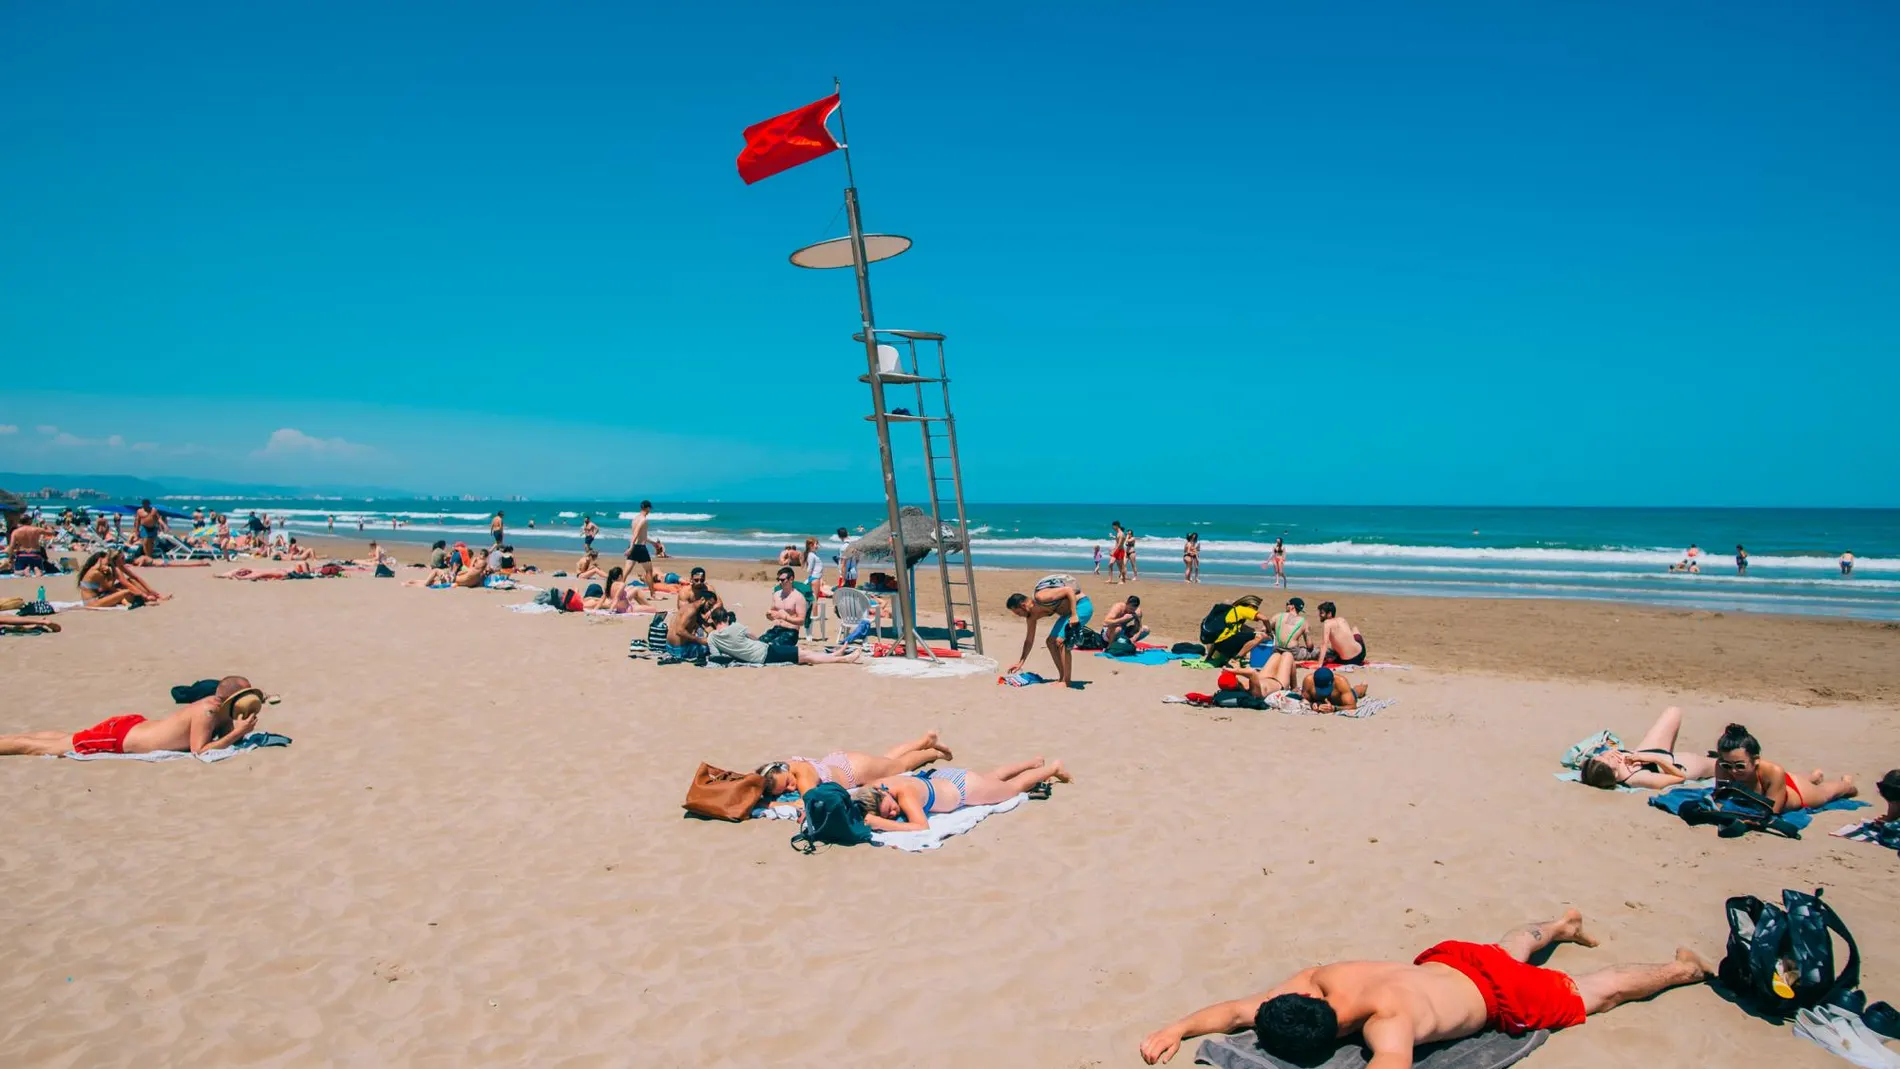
[532, 608]
[942, 825]
[255, 741]
[1286, 702]
[969, 664]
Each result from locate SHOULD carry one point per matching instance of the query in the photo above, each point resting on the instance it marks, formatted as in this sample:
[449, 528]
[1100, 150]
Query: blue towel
[1672, 800]
[1024, 679]
[1150, 657]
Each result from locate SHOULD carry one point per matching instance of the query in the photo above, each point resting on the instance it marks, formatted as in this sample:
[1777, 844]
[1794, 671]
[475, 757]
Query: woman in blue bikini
[905, 802]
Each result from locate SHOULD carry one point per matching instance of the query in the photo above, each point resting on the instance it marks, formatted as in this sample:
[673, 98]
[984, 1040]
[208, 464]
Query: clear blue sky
[1589, 253]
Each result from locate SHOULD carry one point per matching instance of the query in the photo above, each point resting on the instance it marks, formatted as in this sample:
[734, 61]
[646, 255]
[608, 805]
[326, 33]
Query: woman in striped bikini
[904, 803]
[849, 768]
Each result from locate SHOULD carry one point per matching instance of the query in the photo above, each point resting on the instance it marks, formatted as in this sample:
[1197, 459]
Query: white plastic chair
[853, 607]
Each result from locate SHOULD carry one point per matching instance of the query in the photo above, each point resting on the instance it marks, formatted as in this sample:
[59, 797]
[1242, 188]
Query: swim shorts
[778, 653]
[107, 736]
[1518, 997]
[1084, 612]
[1359, 659]
[639, 554]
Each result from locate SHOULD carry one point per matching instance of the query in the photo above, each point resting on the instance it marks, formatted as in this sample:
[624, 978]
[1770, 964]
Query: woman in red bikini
[1738, 760]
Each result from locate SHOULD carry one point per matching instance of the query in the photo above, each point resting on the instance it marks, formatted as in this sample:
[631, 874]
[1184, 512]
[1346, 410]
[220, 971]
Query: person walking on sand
[1279, 562]
[1060, 597]
[637, 551]
[1098, 558]
[1449, 992]
[1190, 558]
[1118, 553]
[495, 527]
[589, 529]
[1128, 555]
[211, 723]
[1741, 560]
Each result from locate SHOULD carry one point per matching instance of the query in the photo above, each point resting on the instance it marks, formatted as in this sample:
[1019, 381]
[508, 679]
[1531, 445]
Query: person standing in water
[1190, 557]
[1279, 562]
[1847, 564]
[1741, 560]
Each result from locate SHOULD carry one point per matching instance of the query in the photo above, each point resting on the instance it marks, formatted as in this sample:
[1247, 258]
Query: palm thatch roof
[11, 503]
[921, 536]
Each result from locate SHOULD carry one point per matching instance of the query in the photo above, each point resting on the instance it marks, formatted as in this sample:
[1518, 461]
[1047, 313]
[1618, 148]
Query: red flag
[785, 141]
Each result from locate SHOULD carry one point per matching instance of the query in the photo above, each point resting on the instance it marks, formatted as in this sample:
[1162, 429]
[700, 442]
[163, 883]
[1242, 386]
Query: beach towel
[1571, 775]
[1486, 1050]
[1148, 656]
[1583, 749]
[942, 825]
[256, 740]
[1287, 702]
[531, 608]
[1023, 679]
[1882, 833]
[1198, 662]
[1672, 800]
[969, 664]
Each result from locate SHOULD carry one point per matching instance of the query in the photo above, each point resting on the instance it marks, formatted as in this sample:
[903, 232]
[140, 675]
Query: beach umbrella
[11, 504]
[921, 535]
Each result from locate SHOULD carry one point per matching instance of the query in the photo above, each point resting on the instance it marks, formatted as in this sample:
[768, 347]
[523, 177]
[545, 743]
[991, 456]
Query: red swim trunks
[107, 736]
[1518, 998]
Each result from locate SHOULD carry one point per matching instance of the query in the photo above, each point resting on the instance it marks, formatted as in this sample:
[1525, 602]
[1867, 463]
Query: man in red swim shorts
[1451, 991]
[211, 723]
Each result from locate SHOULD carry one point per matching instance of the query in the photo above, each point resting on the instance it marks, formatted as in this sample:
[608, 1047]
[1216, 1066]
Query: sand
[473, 854]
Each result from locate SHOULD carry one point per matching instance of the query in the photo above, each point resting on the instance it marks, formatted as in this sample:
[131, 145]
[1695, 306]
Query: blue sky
[1381, 252]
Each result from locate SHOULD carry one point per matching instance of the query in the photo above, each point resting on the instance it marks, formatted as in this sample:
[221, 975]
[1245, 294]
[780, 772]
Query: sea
[1596, 554]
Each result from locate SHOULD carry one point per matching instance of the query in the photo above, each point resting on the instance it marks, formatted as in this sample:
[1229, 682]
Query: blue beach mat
[1672, 800]
[1150, 657]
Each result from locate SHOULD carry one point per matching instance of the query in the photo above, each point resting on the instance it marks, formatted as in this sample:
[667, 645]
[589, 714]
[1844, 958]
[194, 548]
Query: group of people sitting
[1656, 764]
[701, 627]
[896, 793]
[454, 565]
[107, 580]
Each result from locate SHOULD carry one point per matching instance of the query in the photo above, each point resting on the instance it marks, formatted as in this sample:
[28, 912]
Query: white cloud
[47, 429]
[290, 442]
[8, 428]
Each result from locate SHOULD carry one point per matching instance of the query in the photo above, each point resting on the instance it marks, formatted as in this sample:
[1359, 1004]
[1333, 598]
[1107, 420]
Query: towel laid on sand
[1486, 1050]
[942, 825]
[1672, 800]
[1155, 656]
[256, 740]
[1884, 833]
[531, 608]
[1023, 679]
[1286, 702]
[1571, 775]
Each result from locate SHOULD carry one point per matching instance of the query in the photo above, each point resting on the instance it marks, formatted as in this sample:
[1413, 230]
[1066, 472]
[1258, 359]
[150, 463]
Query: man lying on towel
[1451, 991]
[211, 723]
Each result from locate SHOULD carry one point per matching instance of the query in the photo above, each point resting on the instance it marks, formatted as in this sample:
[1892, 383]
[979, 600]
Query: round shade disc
[837, 251]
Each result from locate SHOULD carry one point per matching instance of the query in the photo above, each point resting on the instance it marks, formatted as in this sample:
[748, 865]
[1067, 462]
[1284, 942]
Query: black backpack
[831, 817]
[1737, 811]
[1215, 621]
[1083, 637]
[1762, 935]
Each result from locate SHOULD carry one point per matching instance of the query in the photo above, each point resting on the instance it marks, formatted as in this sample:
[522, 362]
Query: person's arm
[1346, 697]
[915, 819]
[201, 739]
[1390, 1037]
[1776, 790]
[1219, 1019]
[1651, 781]
[1029, 643]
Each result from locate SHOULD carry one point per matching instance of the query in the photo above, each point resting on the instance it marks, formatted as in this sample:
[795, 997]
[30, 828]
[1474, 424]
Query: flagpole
[860, 264]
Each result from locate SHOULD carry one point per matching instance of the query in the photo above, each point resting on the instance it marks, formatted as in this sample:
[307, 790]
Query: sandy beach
[474, 853]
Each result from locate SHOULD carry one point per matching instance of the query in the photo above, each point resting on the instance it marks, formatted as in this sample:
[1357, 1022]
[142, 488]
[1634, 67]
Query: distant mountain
[127, 487]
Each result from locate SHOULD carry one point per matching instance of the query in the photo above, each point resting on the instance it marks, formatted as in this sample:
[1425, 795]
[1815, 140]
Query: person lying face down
[1738, 761]
[211, 723]
[904, 802]
[1449, 992]
[1325, 691]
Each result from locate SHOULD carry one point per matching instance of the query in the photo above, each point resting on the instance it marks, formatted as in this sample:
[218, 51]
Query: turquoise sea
[1616, 554]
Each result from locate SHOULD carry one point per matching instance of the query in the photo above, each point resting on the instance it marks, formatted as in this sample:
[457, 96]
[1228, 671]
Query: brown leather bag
[724, 795]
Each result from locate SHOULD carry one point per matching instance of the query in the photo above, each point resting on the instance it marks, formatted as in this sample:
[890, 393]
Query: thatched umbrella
[921, 536]
[12, 506]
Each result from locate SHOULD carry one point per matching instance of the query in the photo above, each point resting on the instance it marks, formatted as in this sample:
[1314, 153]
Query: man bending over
[211, 723]
[1061, 597]
[1451, 991]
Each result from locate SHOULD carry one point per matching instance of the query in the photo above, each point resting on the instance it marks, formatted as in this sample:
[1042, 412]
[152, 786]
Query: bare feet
[932, 742]
[1816, 777]
[1701, 969]
[1848, 790]
[1570, 930]
[1056, 771]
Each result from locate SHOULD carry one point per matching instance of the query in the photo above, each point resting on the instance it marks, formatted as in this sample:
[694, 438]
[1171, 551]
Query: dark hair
[1329, 608]
[1736, 737]
[1194, 536]
[613, 576]
[1015, 602]
[647, 505]
[722, 616]
[1134, 601]
[1299, 604]
[507, 549]
[1598, 773]
[145, 504]
[1297, 1028]
[842, 533]
[1890, 786]
[786, 573]
[697, 571]
[1252, 601]
[440, 543]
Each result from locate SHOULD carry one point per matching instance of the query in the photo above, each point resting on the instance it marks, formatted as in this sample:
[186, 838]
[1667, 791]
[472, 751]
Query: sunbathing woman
[106, 581]
[1738, 760]
[1653, 765]
[849, 768]
[905, 802]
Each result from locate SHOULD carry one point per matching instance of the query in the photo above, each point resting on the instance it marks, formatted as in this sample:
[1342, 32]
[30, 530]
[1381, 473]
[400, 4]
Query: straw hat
[246, 702]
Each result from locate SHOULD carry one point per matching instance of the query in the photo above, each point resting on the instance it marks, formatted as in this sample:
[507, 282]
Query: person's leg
[1819, 790]
[929, 740]
[1065, 663]
[1027, 777]
[1522, 942]
[1606, 989]
[806, 656]
[109, 601]
[36, 743]
[1280, 666]
[1662, 734]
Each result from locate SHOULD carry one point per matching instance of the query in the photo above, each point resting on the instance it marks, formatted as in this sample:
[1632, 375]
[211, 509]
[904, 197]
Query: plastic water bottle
[41, 596]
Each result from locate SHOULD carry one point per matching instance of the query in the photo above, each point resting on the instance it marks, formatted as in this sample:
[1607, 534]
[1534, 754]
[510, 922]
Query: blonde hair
[866, 797]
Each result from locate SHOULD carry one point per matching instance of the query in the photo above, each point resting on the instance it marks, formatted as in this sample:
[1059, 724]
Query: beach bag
[35, 608]
[330, 571]
[1123, 646]
[1192, 649]
[831, 817]
[780, 636]
[1736, 811]
[1237, 699]
[1083, 637]
[383, 571]
[1215, 621]
[721, 795]
[1780, 959]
